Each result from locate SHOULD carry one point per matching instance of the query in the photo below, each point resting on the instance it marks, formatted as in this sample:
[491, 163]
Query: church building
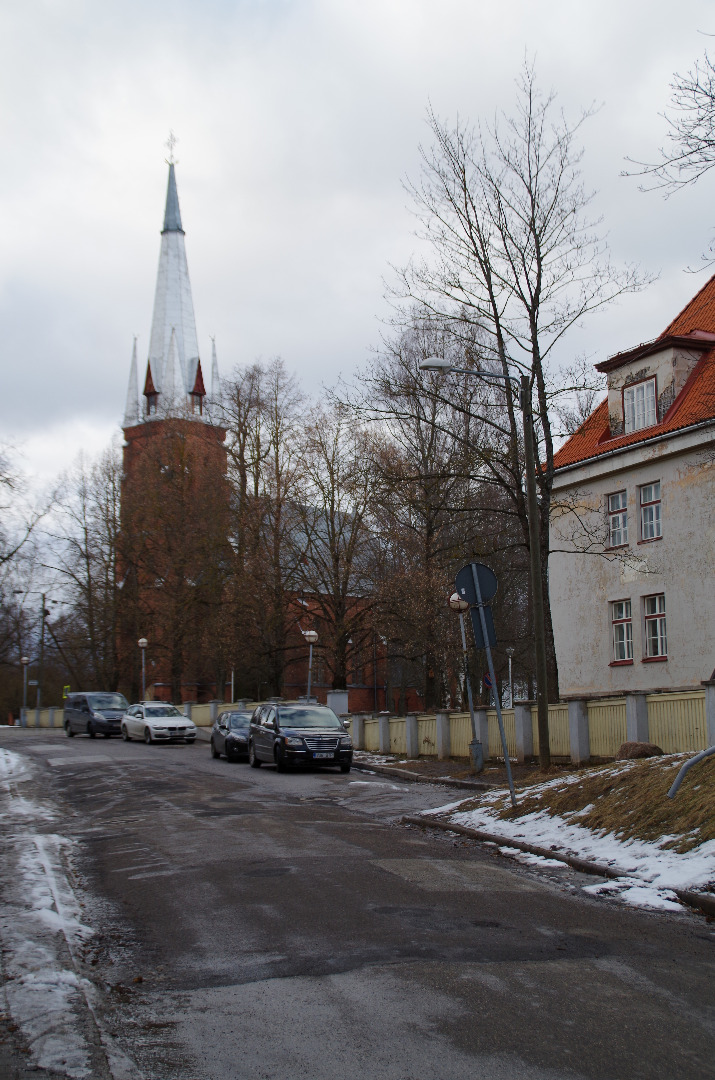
[174, 553]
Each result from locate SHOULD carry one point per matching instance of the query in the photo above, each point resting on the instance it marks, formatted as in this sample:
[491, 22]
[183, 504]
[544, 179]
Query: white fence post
[51, 715]
[524, 730]
[384, 732]
[444, 740]
[579, 738]
[482, 722]
[710, 711]
[213, 710]
[357, 730]
[187, 709]
[412, 736]
[23, 717]
[37, 717]
[636, 717]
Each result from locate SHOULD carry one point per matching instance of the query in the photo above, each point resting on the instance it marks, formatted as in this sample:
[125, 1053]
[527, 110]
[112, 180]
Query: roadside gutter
[702, 901]
[440, 781]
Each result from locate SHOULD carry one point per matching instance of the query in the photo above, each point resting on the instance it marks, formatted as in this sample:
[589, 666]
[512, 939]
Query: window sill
[653, 540]
[621, 663]
[617, 547]
[654, 660]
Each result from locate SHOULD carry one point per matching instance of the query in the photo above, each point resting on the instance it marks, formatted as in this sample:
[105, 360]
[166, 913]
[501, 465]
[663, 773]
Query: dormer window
[639, 409]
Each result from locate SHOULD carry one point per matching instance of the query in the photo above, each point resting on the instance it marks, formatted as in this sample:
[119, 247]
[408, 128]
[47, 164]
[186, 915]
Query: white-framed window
[639, 405]
[649, 499]
[617, 519]
[656, 642]
[622, 625]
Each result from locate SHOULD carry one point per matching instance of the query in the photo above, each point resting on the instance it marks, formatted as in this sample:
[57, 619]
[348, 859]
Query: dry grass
[628, 799]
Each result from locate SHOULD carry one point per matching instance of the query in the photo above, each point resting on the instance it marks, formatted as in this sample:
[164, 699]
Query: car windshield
[239, 721]
[98, 702]
[162, 710]
[308, 718]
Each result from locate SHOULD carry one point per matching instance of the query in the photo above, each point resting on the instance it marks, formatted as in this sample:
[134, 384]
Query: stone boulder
[628, 750]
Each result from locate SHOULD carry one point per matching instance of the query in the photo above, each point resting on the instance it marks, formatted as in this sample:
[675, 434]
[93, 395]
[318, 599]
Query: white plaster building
[632, 567]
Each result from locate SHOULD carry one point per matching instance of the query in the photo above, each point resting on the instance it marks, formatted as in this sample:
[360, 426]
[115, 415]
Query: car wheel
[252, 759]
[90, 730]
[344, 768]
[214, 751]
[279, 760]
[68, 731]
[147, 736]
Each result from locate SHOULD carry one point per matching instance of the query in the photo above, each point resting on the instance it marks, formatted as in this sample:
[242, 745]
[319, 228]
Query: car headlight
[292, 741]
[345, 740]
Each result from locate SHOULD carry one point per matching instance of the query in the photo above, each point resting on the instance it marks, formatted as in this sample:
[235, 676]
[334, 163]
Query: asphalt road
[266, 926]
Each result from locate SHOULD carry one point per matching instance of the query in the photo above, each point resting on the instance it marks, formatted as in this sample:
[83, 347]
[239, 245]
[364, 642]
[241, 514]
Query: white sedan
[155, 721]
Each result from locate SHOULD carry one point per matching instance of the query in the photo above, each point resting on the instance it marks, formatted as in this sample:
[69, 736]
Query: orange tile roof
[694, 404]
[698, 313]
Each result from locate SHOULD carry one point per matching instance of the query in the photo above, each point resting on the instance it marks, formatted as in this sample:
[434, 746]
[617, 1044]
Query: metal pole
[490, 662]
[24, 686]
[475, 733]
[310, 667]
[542, 682]
[511, 684]
[232, 685]
[42, 654]
[144, 674]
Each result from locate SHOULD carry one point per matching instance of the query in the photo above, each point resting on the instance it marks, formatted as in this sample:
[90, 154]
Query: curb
[701, 901]
[440, 781]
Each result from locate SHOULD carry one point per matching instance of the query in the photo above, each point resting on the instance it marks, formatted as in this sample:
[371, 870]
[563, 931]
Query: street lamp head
[510, 650]
[457, 603]
[142, 643]
[436, 363]
[310, 636]
[24, 660]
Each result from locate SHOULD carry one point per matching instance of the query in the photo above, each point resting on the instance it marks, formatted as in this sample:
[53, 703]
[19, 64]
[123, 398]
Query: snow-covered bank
[651, 869]
[41, 926]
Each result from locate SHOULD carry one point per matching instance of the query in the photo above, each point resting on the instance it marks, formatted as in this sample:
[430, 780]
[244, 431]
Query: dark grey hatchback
[296, 734]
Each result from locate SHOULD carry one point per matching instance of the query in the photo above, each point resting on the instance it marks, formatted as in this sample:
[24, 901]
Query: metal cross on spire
[170, 144]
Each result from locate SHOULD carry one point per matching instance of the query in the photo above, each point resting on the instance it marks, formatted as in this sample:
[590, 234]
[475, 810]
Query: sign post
[484, 586]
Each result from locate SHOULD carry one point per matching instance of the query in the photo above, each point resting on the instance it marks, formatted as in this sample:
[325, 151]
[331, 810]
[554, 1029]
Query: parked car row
[111, 714]
[283, 734]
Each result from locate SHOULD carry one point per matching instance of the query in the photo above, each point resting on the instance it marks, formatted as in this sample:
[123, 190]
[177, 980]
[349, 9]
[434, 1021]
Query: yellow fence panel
[398, 737]
[201, 715]
[606, 726]
[559, 742]
[677, 722]
[427, 735]
[495, 746]
[372, 736]
[460, 733]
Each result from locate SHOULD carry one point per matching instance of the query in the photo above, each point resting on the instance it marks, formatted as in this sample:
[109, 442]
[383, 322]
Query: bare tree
[689, 151]
[514, 256]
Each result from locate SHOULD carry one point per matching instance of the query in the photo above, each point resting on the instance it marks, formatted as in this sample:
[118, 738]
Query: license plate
[324, 755]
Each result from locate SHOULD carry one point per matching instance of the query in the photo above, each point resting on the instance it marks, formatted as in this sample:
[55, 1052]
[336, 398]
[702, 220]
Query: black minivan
[293, 733]
[95, 713]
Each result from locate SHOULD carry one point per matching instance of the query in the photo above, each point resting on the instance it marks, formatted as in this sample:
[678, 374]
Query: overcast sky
[297, 121]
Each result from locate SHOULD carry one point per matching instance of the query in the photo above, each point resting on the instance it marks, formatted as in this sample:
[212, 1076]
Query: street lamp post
[459, 605]
[510, 654]
[435, 363]
[311, 637]
[142, 643]
[24, 660]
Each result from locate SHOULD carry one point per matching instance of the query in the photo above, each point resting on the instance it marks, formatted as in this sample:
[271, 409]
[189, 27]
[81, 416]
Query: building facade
[632, 531]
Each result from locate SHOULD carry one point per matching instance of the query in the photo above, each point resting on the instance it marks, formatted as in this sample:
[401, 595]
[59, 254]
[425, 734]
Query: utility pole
[42, 652]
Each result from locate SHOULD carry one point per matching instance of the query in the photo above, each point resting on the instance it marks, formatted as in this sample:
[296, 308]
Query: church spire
[131, 412]
[173, 364]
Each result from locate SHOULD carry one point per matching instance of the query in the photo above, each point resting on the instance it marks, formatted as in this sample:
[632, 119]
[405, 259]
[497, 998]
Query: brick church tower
[173, 550]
